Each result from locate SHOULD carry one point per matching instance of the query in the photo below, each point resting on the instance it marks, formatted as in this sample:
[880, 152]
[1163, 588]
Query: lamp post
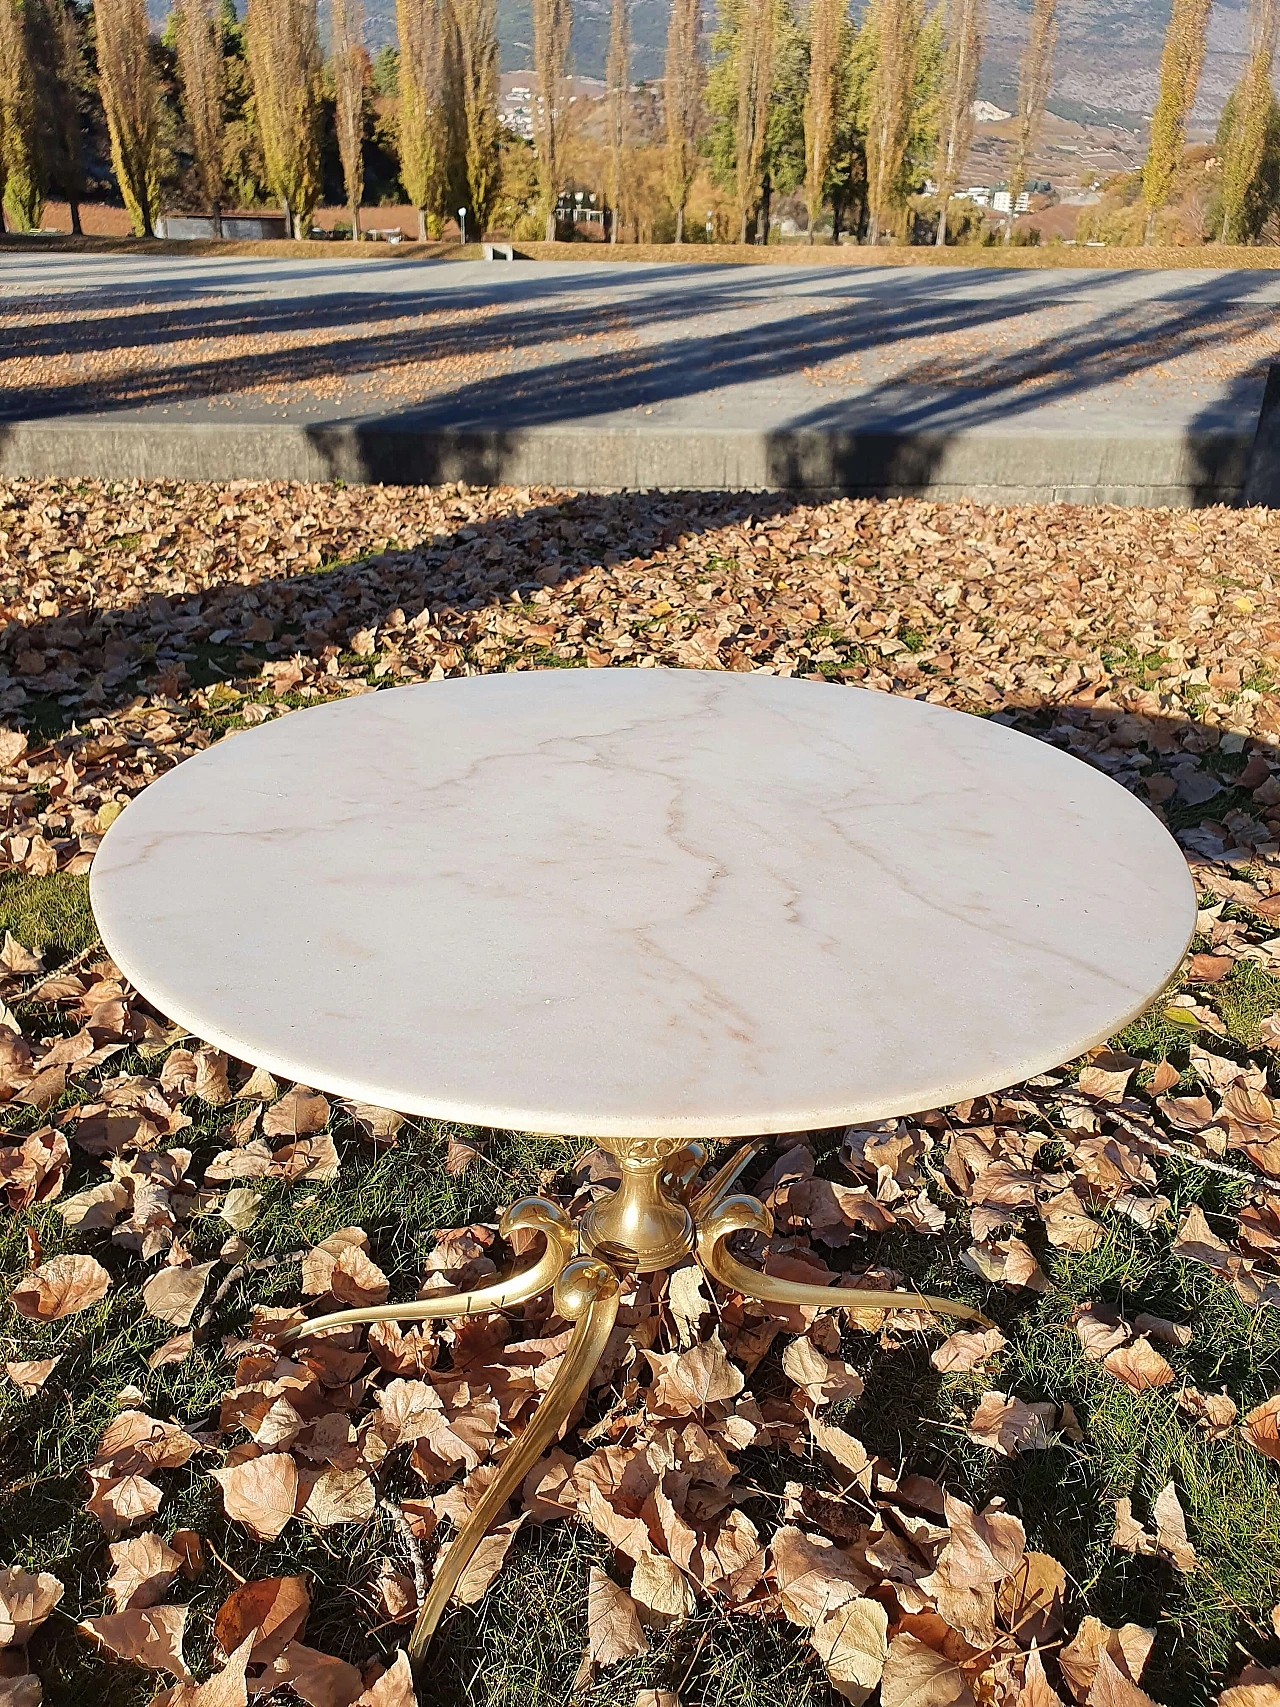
[462, 221]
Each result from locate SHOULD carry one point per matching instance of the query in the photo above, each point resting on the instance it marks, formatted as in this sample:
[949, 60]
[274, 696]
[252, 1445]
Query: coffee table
[650, 907]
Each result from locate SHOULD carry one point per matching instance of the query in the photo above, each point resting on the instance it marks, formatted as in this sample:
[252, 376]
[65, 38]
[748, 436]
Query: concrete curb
[990, 466]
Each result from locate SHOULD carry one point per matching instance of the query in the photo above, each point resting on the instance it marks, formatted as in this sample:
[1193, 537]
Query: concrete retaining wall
[992, 466]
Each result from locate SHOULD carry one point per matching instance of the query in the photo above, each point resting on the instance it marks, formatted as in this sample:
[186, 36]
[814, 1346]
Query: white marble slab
[643, 902]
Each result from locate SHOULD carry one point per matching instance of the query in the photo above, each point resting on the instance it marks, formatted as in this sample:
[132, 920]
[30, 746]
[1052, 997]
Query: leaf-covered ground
[1081, 1505]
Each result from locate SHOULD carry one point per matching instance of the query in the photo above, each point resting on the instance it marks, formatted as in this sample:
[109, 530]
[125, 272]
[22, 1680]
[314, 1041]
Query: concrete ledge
[1009, 466]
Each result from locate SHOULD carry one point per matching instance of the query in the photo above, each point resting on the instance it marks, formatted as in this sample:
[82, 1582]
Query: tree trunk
[217, 219]
[743, 236]
[873, 229]
[354, 211]
[1149, 235]
[288, 220]
[766, 199]
[76, 228]
[1008, 225]
[613, 225]
[148, 230]
[422, 225]
[679, 225]
[551, 226]
[941, 238]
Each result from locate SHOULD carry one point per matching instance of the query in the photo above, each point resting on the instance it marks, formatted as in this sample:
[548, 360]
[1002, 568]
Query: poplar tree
[23, 190]
[283, 42]
[552, 21]
[1251, 104]
[476, 38]
[1034, 77]
[828, 33]
[898, 26]
[57, 57]
[350, 69]
[423, 142]
[131, 101]
[754, 67]
[1180, 64]
[197, 40]
[960, 86]
[617, 90]
[682, 91]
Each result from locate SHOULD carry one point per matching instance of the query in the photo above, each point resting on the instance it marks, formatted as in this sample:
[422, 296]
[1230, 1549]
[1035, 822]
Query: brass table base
[657, 1216]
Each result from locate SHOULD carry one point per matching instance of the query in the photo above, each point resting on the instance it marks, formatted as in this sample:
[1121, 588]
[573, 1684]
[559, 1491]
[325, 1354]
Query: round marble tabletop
[643, 902]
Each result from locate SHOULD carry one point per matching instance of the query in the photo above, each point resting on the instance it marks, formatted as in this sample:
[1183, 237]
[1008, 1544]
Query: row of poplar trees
[852, 116]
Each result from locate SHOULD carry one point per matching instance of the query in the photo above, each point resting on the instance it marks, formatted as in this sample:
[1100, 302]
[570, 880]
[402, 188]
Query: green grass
[522, 1645]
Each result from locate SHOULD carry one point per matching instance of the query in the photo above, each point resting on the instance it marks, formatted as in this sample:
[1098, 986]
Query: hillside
[1105, 69]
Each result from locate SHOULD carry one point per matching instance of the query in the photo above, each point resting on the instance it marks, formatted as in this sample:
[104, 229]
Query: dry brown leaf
[300, 1113]
[339, 1496]
[318, 1679]
[968, 1349]
[1111, 1688]
[1036, 1691]
[1215, 1413]
[271, 1611]
[20, 1690]
[29, 1378]
[226, 1688]
[852, 1641]
[1128, 1647]
[1008, 1425]
[26, 1600]
[485, 1563]
[1030, 1599]
[260, 1493]
[118, 1501]
[141, 1570]
[917, 1676]
[1101, 1328]
[1138, 1365]
[614, 1631]
[171, 1295]
[1261, 1427]
[825, 1380]
[151, 1636]
[688, 1302]
[813, 1575]
[661, 1590]
[1255, 1687]
[60, 1288]
[657, 1698]
[689, 1381]
[356, 1281]
[393, 1689]
[1195, 1242]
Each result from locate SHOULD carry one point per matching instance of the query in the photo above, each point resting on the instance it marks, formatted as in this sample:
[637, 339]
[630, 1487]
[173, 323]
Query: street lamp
[462, 220]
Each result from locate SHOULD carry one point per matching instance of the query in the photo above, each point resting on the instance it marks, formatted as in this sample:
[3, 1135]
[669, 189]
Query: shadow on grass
[523, 1644]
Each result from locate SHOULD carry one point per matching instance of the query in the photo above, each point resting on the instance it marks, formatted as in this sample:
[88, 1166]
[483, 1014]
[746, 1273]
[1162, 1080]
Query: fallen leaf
[141, 1570]
[1261, 1427]
[300, 1113]
[151, 1636]
[661, 1590]
[171, 1295]
[917, 1676]
[260, 1493]
[1035, 1691]
[60, 1288]
[485, 1563]
[1030, 1599]
[319, 1679]
[271, 1611]
[1138, 1365]
[226, 1688]
[968, 1349]
[22, 1690]
[1215, 1413]
[1111, 1688]
[393, 1689]
[1128, 1648]
[614, 1631]
[852, 1641]
[29, 1378]
[26, 1600]
[1008, 1425]
[689, 1381]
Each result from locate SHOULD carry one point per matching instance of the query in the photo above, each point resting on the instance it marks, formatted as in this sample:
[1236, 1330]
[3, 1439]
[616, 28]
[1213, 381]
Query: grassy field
[523, 1644]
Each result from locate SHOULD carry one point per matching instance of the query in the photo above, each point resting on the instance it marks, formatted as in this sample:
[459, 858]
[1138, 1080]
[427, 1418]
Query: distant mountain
[1106, 68]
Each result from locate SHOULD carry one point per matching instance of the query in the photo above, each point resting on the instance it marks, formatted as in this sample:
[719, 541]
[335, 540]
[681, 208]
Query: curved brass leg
[741, 1214]
[725, 1178]
[587, 1295]
[532, 1214]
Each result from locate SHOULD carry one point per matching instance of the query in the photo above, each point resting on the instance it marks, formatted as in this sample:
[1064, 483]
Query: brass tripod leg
[531, 1214]
[740, 1214]
[587, 1295]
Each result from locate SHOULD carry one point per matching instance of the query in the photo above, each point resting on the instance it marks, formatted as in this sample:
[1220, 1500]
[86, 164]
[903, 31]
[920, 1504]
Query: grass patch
[49, 914]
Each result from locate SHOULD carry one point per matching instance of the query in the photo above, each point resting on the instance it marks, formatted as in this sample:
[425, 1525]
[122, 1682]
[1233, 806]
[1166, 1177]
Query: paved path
[1133, 385]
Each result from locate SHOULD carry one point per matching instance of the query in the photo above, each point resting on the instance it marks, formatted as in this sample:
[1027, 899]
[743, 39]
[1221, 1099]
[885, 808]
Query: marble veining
[643, 902]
